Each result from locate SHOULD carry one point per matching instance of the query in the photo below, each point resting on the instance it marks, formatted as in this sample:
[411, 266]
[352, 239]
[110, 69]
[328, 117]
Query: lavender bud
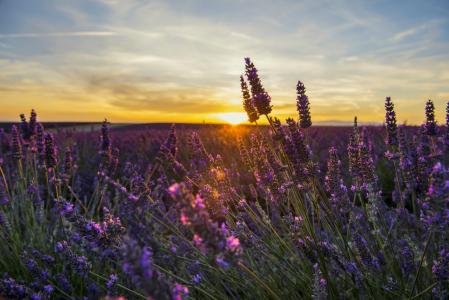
[247, 103]
[16, 145]
[50, 152]
[431, 124]
[260, 98]
[302, 105]
[78, 264]
[392, 135]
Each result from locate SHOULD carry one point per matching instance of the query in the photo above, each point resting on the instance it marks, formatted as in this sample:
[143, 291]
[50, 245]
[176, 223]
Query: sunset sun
[233, 118]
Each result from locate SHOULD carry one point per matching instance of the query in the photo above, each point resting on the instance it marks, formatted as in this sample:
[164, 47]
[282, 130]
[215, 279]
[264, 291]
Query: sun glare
[233, 118]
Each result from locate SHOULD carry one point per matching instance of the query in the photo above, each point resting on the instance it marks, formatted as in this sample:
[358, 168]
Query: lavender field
[281, 211]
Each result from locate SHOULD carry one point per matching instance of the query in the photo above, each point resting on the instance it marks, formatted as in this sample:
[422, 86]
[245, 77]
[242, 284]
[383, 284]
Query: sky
[137, 61]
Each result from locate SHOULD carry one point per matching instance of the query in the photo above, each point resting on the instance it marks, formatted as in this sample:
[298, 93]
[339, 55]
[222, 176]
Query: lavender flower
[114, 162]
[10, 290]
[27, 136]
[63, 283]
[78, 264]
[208, 236]
[392, 135]
[16, 145]
[91, 231]
[431, 124]
[247, 103]
[170, 145]
[67, 162]
[319, 285]
[31, 265]
[244, 154]
[302, 105]
[138, 264]
[335, 185]
[353, 151]
[32, 124]
[260, 98]
[112, 286]
[40, 146]
[51, 160]
[365, 254]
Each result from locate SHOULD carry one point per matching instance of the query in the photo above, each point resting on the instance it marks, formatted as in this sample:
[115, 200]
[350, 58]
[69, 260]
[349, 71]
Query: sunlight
[233, 118]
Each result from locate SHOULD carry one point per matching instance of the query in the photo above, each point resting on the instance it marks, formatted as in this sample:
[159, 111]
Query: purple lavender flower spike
[68, 162]
[31, 265]
[78, 264]
[260, 98]
[392, 134]
[208, 236]
[138, 263]
[319, 285]
[302, 105]
[114, 161]
[40, 146]
[353, 151]
[16, 145]
[51, 161]
[244, 154]
[247, 102]
[431, 123]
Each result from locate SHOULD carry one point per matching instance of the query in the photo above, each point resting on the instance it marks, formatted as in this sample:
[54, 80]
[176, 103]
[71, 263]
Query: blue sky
[180, 61]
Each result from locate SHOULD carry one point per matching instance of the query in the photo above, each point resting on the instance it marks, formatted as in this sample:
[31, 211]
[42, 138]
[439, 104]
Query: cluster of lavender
[263, 228]
[208, 236]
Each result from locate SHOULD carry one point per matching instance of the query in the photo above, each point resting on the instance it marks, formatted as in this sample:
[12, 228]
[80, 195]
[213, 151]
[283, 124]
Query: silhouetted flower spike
[105, 140]
[302, 105]
[32, 124]
[392, 134]
[25, 129]
[50, 152]
[247, 102]
[431, 123]
[16, 145]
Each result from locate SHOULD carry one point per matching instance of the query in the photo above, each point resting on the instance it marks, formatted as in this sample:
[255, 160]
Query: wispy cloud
[58, 34]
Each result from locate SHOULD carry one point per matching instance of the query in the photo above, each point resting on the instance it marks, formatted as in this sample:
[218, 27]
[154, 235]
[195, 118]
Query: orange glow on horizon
[233, 118]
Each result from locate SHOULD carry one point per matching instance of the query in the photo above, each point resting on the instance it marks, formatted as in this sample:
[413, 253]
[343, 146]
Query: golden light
[233, 118]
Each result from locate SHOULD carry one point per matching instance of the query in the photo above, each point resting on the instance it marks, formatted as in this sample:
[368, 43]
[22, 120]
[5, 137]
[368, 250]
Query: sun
[233, 118]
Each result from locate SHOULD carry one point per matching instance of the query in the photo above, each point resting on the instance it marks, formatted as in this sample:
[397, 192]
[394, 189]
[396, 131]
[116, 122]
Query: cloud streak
[57, 34]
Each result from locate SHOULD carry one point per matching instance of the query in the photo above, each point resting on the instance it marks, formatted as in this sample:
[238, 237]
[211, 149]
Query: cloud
[58, 34]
